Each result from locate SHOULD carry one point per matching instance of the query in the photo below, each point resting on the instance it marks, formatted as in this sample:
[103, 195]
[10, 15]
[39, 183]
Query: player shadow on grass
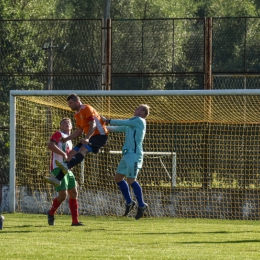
[220, 242]
[196, 232]
[47, 230]
[23, 226]
[17, 231]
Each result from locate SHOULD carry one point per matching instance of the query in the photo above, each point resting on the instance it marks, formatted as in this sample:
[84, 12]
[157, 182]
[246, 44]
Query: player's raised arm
[74, 135]
[134, 121]
[141, 112]
[112, 129]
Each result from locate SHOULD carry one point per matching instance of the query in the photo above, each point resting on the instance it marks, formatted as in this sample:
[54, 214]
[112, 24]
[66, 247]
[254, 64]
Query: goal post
[201, 152]
[12, 165]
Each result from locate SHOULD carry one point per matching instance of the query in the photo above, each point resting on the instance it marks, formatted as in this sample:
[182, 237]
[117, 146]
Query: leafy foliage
[126, 9]
[22, 57]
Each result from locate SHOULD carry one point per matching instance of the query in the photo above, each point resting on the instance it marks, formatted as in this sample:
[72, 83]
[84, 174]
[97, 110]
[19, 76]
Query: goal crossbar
[219, 92]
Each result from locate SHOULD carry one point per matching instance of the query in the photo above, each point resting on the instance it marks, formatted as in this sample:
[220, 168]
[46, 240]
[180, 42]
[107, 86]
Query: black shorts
[96, 142]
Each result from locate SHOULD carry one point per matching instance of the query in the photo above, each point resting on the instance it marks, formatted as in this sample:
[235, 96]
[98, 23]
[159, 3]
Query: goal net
[201, 152]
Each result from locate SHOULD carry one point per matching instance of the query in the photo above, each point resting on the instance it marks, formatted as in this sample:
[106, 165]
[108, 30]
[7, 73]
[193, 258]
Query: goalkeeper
[132, 160]
[89, 122]
[60, 152]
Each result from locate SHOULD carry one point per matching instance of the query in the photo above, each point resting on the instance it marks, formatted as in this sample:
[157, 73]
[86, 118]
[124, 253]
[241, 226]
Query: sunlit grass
[27, 236]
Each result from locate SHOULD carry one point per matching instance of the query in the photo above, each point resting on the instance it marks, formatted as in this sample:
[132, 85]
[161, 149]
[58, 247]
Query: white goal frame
[172, 175]
[14, 93]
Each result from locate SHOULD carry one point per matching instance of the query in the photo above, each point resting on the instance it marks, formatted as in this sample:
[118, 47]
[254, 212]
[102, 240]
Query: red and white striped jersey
[65, 147]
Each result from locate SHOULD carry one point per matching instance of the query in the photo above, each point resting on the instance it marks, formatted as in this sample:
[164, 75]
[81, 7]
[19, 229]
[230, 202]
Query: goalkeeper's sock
[125, 191]
[138, 193]
[55, 205]
[73, 204]
[78, 158]
[60, 175]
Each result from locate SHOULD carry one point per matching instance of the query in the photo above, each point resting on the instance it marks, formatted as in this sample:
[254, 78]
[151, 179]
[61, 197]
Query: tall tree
[223, 8]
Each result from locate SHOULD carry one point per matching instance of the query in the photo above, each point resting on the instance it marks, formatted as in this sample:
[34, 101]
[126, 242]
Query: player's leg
[123, 186]
[134, 165]
[137, 191]
[73, 200]
[56, 180]
[71, 154]
[142, 206]
[96, 142]
[62, 195]
[79, 153]
[78, 158]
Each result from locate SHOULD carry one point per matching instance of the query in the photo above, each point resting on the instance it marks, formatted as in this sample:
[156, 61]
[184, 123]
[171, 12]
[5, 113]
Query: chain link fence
[236, 81]
[158, 54]
[235, 45]
[148, 54]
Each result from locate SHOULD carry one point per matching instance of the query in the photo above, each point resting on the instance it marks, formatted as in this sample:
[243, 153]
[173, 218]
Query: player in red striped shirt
[60, 152]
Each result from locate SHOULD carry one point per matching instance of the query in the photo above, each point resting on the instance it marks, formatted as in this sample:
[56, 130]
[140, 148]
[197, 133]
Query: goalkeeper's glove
[107, 121]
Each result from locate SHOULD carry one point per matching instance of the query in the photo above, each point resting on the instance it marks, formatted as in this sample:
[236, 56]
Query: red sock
[55, 205]
[73, 203]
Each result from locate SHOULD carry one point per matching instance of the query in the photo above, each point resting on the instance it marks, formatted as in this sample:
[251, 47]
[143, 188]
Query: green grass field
[28, 236]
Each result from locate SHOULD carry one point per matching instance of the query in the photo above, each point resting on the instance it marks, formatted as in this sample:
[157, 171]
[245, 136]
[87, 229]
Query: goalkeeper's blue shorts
[130, 165]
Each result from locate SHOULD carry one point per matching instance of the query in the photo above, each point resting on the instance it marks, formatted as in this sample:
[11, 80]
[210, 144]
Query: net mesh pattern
[208, 162]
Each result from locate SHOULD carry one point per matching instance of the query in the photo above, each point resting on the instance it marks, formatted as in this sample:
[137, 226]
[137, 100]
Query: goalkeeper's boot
[140, 211]
[52, 180]
[51, 219]
[77, 224]
[63, 166]
[129, 207]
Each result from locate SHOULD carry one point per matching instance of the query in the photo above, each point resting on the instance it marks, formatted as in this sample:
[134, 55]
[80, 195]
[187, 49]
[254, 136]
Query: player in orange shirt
[96, 135]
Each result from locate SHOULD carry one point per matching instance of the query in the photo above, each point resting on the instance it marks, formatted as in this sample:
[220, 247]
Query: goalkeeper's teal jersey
[134, 129]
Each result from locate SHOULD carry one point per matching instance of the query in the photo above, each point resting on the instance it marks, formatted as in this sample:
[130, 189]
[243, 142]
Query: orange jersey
[88, 113]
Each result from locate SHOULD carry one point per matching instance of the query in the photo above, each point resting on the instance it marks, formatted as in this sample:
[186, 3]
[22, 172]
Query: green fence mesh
[149, 54]
[236, 81]
[158, 46]
[235, 45]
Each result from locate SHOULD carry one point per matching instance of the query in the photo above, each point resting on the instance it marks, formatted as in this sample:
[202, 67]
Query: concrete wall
[193, 203]
[4, 202]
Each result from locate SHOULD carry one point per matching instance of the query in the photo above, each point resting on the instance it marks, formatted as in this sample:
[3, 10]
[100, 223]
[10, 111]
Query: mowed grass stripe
[28, 236]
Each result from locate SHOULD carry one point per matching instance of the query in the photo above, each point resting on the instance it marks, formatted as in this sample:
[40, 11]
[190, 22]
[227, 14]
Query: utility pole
[106, 47]
[48, 46]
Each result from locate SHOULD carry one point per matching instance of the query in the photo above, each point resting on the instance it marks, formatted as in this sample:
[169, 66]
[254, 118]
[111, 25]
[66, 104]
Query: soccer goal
[201, 152]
